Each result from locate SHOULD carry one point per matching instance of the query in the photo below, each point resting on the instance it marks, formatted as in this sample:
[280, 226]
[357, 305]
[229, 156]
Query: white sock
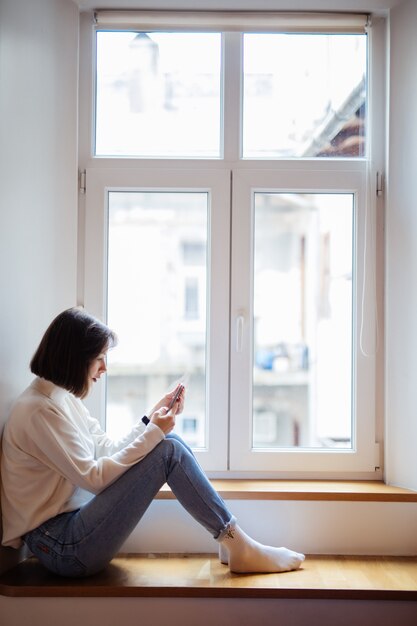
[223, 553]
[249, 556]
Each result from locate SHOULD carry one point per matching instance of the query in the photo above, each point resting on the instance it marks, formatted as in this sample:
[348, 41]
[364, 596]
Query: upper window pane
[304, 95]
[158, 94]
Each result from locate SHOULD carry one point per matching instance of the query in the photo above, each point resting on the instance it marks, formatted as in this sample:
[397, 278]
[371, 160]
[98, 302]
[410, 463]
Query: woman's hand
[164, 419]
[167, 399]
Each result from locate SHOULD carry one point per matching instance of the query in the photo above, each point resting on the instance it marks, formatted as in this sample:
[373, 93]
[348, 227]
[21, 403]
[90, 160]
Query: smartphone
[176, 396]
[145, 418]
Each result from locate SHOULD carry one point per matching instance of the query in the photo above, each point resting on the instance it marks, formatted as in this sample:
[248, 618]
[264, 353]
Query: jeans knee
[174, 444]
[177, 438]
[175, 449]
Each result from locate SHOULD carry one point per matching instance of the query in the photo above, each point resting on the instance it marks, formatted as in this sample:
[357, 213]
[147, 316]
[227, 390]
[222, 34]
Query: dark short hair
[70, 344]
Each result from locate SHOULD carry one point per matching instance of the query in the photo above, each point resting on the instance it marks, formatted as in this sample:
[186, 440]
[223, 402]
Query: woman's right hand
[164, 420]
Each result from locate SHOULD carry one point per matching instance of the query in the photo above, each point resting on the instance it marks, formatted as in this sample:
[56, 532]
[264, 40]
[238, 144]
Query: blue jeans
[82, 542]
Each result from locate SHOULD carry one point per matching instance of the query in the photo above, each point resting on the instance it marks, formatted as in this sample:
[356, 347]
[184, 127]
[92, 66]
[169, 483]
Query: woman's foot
[248, 556]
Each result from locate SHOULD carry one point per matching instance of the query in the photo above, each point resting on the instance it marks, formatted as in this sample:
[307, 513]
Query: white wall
[204, 612]
[401, 252]
[309, 527]
[38, 179]
[380, 6]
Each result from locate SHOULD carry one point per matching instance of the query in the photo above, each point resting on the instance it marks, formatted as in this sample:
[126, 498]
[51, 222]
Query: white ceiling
[368, 6]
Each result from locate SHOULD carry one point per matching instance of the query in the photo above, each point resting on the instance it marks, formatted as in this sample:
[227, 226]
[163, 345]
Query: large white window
[229, 216]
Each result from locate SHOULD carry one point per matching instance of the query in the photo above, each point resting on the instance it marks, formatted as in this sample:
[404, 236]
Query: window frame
[216, 184]
[242, 458]
[230, 161]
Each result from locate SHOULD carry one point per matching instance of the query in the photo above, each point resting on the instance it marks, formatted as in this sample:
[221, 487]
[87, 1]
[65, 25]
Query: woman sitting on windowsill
[73, 495]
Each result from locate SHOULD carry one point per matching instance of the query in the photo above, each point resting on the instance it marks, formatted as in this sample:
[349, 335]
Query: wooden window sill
[203, 576]
[319, 490]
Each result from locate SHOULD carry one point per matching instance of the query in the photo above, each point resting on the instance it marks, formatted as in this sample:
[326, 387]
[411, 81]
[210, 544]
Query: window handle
[240, 320]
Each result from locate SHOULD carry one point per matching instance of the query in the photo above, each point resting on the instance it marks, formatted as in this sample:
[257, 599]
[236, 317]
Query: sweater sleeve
[67, 447]
[104, 445]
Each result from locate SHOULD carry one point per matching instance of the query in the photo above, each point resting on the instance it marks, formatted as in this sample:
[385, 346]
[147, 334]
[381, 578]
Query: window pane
[304, 95]
[302, 375]
[158, 94]
[161, 324]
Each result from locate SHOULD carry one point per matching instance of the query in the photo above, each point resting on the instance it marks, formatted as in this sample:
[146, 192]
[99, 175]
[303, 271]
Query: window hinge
[82, 181]
[377, 456]
[379, 184]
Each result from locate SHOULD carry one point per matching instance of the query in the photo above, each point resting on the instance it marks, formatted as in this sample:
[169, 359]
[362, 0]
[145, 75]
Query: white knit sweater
[55, 456]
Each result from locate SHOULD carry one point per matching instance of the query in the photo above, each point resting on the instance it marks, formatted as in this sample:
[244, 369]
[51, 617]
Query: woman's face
[97, 368]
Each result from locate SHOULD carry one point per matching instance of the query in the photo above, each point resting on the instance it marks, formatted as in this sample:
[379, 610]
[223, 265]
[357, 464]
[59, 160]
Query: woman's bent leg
[82, 542]
[91, 537]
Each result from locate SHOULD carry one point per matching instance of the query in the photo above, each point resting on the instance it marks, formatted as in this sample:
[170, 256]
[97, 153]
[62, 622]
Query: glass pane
[157, 284]
[302, 373]
[304, 95]
[158, 94]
